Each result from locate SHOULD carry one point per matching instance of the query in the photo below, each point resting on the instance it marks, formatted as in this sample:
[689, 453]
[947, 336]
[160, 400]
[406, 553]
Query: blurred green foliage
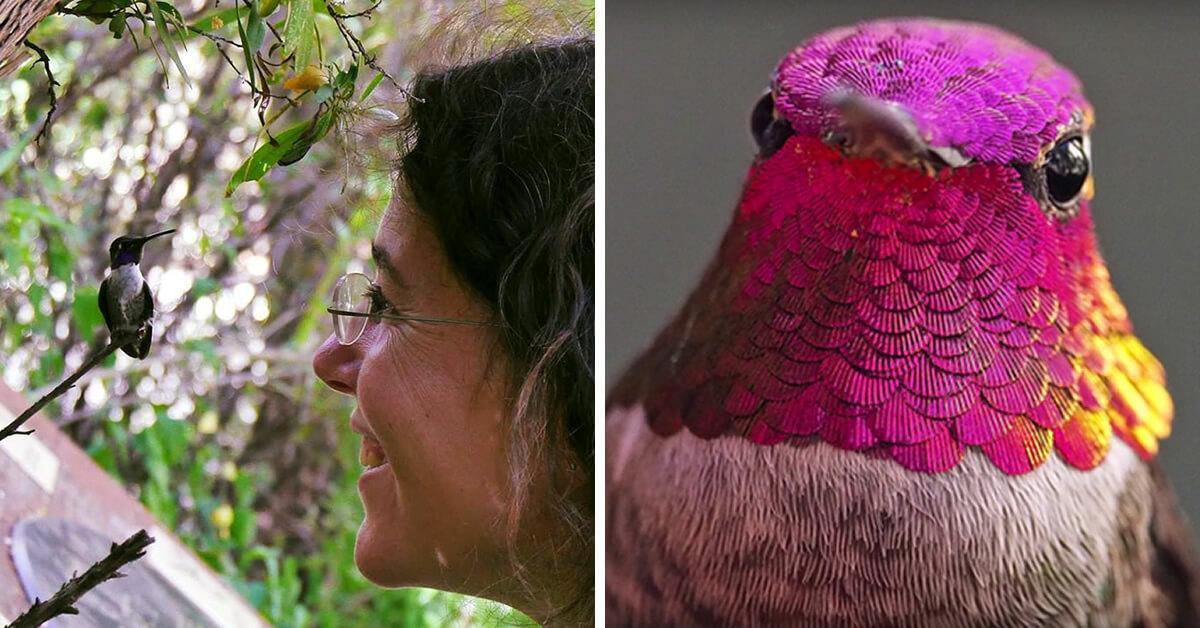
[222, 432]
[290, 71]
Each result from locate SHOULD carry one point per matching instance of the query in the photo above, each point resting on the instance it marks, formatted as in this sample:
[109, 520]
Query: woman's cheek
[406, 402]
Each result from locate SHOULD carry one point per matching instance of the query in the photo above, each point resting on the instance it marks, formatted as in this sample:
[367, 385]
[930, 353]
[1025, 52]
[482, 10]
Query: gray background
[681, 79]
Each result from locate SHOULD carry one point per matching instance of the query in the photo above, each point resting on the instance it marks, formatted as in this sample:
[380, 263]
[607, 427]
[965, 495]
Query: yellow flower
[217, 22]
[208, 423]
[311, 78]
[222, 517]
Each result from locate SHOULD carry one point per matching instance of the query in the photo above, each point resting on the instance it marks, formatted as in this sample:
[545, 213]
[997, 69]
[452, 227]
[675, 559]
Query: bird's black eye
[770, 133]
[1067, 167]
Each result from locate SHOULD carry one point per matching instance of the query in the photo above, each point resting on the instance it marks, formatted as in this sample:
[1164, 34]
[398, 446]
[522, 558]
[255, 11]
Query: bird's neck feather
[125, 257]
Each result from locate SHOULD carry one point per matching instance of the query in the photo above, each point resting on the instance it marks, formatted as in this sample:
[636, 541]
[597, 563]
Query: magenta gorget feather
[912, 313]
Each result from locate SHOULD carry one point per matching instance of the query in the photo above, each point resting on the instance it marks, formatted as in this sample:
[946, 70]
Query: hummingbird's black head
[128, 249]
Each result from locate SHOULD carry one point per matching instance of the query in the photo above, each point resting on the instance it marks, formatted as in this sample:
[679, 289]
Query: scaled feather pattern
[904, 313]
[972, 86]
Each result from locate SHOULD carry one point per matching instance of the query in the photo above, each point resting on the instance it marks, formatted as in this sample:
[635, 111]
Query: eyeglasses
[352, 296]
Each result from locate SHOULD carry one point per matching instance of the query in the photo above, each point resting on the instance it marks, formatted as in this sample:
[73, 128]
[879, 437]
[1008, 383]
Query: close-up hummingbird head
[127, 249]
[912, 269]
[936, 96]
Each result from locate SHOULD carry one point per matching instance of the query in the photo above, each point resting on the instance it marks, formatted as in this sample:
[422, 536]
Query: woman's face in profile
[432, 417]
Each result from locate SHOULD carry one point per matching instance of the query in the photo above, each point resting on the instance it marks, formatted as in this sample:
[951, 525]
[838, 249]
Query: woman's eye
[1066, 169]
[378, 302]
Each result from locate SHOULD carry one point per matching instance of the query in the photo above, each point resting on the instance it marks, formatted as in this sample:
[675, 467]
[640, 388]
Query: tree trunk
[17, 18]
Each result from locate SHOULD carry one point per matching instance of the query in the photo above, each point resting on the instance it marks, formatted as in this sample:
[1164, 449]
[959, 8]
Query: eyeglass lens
[350, 293]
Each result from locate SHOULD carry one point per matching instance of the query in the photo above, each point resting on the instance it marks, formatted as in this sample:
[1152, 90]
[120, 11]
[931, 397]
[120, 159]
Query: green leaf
[51, 365]
[323, 93]
[172, 12]
[174, 436]
[296, 153]
[344, 82]
[205, 22]
[96, 115]
[267, 7]
[256, 30]
[36, 293]
[32, 214]
[243, 527]
[243, 490]
[9, 156]
[299, 35]
[205, 286]
[247, 52]
[164, 34]
[265, 157]
[116, 25]
[85, 310]
[60, 259]
[254, 592]
[370, 87]
[99, 10]
[161, 503]
[149, 443]
[311, 135]
[103, 456]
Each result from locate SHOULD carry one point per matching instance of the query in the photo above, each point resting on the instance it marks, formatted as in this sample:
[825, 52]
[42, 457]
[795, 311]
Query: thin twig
[364, 13]
[63, 602]
[117, 342]
[357, 49]
[212, 37]
[44, 60]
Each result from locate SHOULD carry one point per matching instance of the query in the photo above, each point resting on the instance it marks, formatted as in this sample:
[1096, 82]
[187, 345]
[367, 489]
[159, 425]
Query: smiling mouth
[370, 451]
[371, 454]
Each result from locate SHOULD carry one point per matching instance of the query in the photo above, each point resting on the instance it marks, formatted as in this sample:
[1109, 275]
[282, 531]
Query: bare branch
[357, 49]
[216, 39]
[45, 61]
[364, 13]
[63, 602]
[14, 427]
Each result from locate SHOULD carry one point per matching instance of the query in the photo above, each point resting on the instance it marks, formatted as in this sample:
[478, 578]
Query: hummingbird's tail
[141, 348]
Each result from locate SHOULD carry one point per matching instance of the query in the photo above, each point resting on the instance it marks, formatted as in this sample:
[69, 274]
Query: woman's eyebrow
[382, 261]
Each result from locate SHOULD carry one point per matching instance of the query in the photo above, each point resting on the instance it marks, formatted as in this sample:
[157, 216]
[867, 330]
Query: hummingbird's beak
[145, 239]
[871, 128]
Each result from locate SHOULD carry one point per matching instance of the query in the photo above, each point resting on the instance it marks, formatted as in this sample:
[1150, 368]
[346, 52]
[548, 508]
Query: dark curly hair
[499, 157]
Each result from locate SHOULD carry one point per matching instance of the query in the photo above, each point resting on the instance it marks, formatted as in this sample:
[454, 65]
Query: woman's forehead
[395, 234]
[402, 218]
[405, 240]
[396, 223]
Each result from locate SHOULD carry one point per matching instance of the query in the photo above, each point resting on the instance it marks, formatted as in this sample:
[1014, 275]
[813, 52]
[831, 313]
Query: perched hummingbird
[905, 391]
[125, 299]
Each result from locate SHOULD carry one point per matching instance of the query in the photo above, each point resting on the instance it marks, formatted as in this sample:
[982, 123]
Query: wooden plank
[83, 492]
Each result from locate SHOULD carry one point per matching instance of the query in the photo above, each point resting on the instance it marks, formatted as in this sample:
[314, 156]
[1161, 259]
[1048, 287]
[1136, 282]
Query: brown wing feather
[1174, 563]
[102, 302]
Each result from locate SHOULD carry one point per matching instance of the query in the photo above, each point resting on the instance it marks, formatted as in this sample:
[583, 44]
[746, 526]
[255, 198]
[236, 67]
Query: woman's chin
[379, 546]
[379, 558]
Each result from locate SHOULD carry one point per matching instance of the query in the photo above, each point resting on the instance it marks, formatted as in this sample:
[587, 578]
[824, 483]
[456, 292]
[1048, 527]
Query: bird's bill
[155, 235]
[875, 129]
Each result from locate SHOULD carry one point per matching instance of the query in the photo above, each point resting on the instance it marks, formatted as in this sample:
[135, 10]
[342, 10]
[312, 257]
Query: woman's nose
[337, 365]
